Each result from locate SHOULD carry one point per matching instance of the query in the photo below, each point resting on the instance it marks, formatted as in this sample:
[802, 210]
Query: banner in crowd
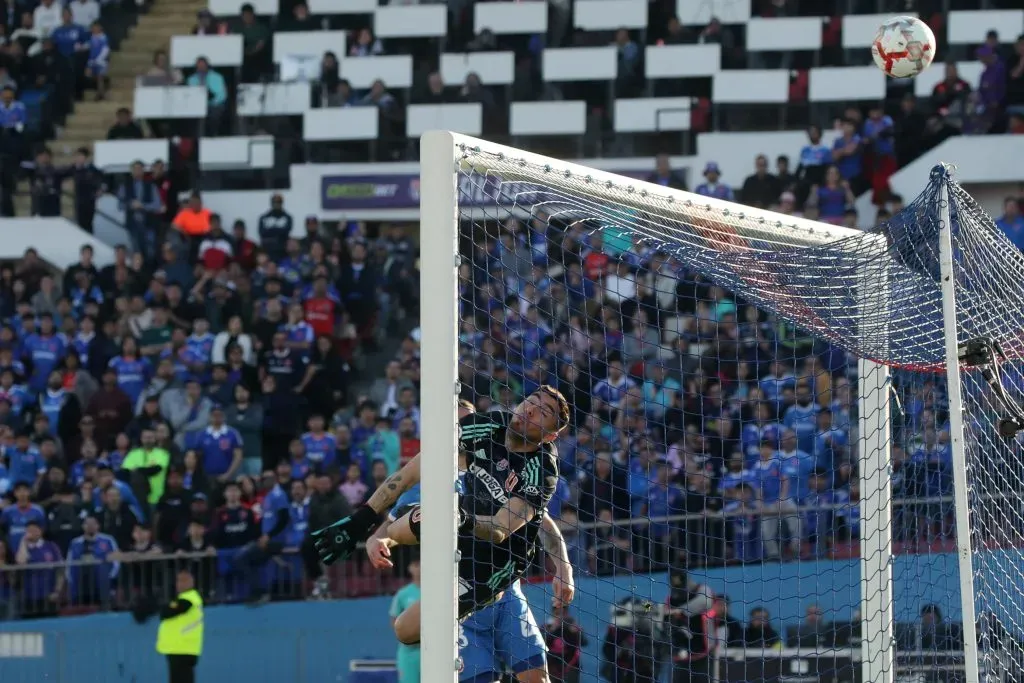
[402, 191]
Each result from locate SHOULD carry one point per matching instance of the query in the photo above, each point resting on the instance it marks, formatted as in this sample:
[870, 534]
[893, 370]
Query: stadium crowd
[49, 60]
[205, 400]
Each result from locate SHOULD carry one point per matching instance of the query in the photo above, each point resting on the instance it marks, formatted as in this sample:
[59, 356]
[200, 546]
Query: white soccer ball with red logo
[903, 47]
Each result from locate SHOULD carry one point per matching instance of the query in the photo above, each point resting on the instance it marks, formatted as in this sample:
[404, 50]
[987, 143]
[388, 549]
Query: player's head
[184, 581]
[465, 408]
[542, 416]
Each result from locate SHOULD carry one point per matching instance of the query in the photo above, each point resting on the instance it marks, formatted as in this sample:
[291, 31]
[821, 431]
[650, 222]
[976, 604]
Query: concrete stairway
[91, 120]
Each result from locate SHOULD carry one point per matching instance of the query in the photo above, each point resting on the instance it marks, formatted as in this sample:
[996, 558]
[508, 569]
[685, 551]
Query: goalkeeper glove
[337, 541]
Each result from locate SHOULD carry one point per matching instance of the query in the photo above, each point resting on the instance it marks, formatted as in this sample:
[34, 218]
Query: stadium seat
[969, 27]
[273, 99]
[219, 51]
[170, 102]
[394, 70]
[580, 64]
[349, 123]
[610, 15]
[751, 86]
[548, 118]
[411, 21]
[236, 153]
[117, 156]
[342, 6]
[511, 18]
[466, 117]
[308, 44]
[651, 114]
[859, 30]
[789, 33]
[493, 68]
[846, 84]
[233, 8]
[682, 61]
[700, 13]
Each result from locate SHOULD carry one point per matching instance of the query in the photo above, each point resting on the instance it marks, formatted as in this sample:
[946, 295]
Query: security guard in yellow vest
[180, 637]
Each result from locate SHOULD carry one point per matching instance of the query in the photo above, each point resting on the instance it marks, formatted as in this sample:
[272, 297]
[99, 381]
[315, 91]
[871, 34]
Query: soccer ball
[903, 47]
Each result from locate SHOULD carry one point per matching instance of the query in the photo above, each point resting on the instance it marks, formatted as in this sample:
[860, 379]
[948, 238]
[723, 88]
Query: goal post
[885, 298]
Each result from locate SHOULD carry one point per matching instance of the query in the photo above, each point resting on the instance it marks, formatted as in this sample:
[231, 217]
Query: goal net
[776, 466]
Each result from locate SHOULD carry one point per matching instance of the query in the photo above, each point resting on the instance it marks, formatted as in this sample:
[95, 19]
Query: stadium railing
[92, 585]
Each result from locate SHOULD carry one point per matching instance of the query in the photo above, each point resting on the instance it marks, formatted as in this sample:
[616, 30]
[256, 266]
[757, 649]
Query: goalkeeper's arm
[554, 546]
[394, 486]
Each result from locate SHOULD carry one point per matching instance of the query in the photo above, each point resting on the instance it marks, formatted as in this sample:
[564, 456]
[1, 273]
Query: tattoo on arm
[386, 495]
[551, 539]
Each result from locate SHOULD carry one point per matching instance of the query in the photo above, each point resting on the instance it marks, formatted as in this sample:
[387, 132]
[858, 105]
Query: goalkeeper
[512, 470]
[504, 636]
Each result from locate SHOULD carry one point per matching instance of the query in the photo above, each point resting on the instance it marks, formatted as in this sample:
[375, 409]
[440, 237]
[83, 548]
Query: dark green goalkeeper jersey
[493, 475]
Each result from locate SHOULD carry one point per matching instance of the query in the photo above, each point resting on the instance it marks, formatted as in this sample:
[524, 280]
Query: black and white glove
[339, 540]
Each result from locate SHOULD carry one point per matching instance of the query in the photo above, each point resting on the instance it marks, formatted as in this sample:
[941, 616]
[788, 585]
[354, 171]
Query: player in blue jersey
[503, 637]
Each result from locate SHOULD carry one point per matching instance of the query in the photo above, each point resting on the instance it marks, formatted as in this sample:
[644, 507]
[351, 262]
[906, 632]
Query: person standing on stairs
[46, 180]
[12, 145]
[89, 186]
[99, 59]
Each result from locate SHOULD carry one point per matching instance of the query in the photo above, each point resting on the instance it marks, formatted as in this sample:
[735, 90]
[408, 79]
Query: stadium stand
[174, 352]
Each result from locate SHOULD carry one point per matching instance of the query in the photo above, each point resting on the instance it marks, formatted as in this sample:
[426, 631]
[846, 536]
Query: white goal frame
[440, 156]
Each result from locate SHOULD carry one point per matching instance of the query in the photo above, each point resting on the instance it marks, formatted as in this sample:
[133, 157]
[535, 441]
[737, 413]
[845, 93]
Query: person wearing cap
[711, 187]
[180, 636]
[275, 226]
[148, 467]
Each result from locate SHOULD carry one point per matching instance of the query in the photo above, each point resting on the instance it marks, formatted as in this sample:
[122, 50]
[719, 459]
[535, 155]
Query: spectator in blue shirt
[69, 38]
[801, 418]
[40, 588]
[277, 526]
[777, 504]
[664, 499]
[815, 157]
[320, 445]
[712, 187]
[1012, 222]
[44, 349]
[91, 584]
[220, 447]
[14, 519]
[848, 155]
[99, 59]
[879, 131]
[24, 462]
[830, 442]
[819, 512]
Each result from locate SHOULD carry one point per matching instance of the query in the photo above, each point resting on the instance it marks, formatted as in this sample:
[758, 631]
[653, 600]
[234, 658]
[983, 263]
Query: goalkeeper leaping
[503, 637]
[512, 471]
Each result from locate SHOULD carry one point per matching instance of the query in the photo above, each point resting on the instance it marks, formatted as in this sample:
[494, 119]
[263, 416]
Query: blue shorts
[501, 637]
[98, 68]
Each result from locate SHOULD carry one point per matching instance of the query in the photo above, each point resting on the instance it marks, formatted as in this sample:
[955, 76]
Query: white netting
[724, 435]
